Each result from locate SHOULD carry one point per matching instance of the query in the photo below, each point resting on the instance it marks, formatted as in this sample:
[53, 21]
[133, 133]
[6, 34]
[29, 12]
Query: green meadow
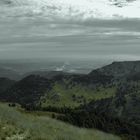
[17, 125]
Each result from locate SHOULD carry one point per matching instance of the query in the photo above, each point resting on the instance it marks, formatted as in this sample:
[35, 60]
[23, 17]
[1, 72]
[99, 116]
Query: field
[62, 95]
[17, 125]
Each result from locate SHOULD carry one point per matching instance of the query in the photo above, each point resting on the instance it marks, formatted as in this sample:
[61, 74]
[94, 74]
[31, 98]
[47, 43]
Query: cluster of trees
[103, 121]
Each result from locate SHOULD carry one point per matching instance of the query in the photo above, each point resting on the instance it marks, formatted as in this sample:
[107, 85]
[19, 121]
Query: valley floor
[17, 125]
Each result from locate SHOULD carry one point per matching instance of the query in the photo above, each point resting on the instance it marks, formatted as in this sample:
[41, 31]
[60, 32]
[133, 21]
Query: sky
[70, 30]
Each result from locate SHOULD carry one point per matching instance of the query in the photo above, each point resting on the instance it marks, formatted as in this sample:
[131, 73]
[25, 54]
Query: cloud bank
[67, 9]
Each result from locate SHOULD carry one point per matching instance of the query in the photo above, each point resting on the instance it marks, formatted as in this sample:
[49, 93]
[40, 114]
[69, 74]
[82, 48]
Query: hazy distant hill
[9, 73]
[46, 74]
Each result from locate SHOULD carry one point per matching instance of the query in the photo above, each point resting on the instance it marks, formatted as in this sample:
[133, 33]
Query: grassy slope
[61, 95]
[15, 125]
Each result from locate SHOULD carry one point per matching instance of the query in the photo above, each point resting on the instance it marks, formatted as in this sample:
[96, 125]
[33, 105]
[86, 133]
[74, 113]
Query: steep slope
[121, 69]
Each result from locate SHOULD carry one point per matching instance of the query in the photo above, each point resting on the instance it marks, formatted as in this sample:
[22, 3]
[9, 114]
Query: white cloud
[83, 9]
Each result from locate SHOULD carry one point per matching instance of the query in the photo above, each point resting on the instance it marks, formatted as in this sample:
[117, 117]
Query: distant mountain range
[38, 80]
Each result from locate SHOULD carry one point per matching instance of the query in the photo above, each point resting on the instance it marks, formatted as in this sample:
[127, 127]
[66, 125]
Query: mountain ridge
[118, 69]
[36, 86]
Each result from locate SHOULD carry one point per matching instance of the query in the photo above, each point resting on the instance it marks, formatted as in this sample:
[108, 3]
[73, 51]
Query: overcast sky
[28, 32]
